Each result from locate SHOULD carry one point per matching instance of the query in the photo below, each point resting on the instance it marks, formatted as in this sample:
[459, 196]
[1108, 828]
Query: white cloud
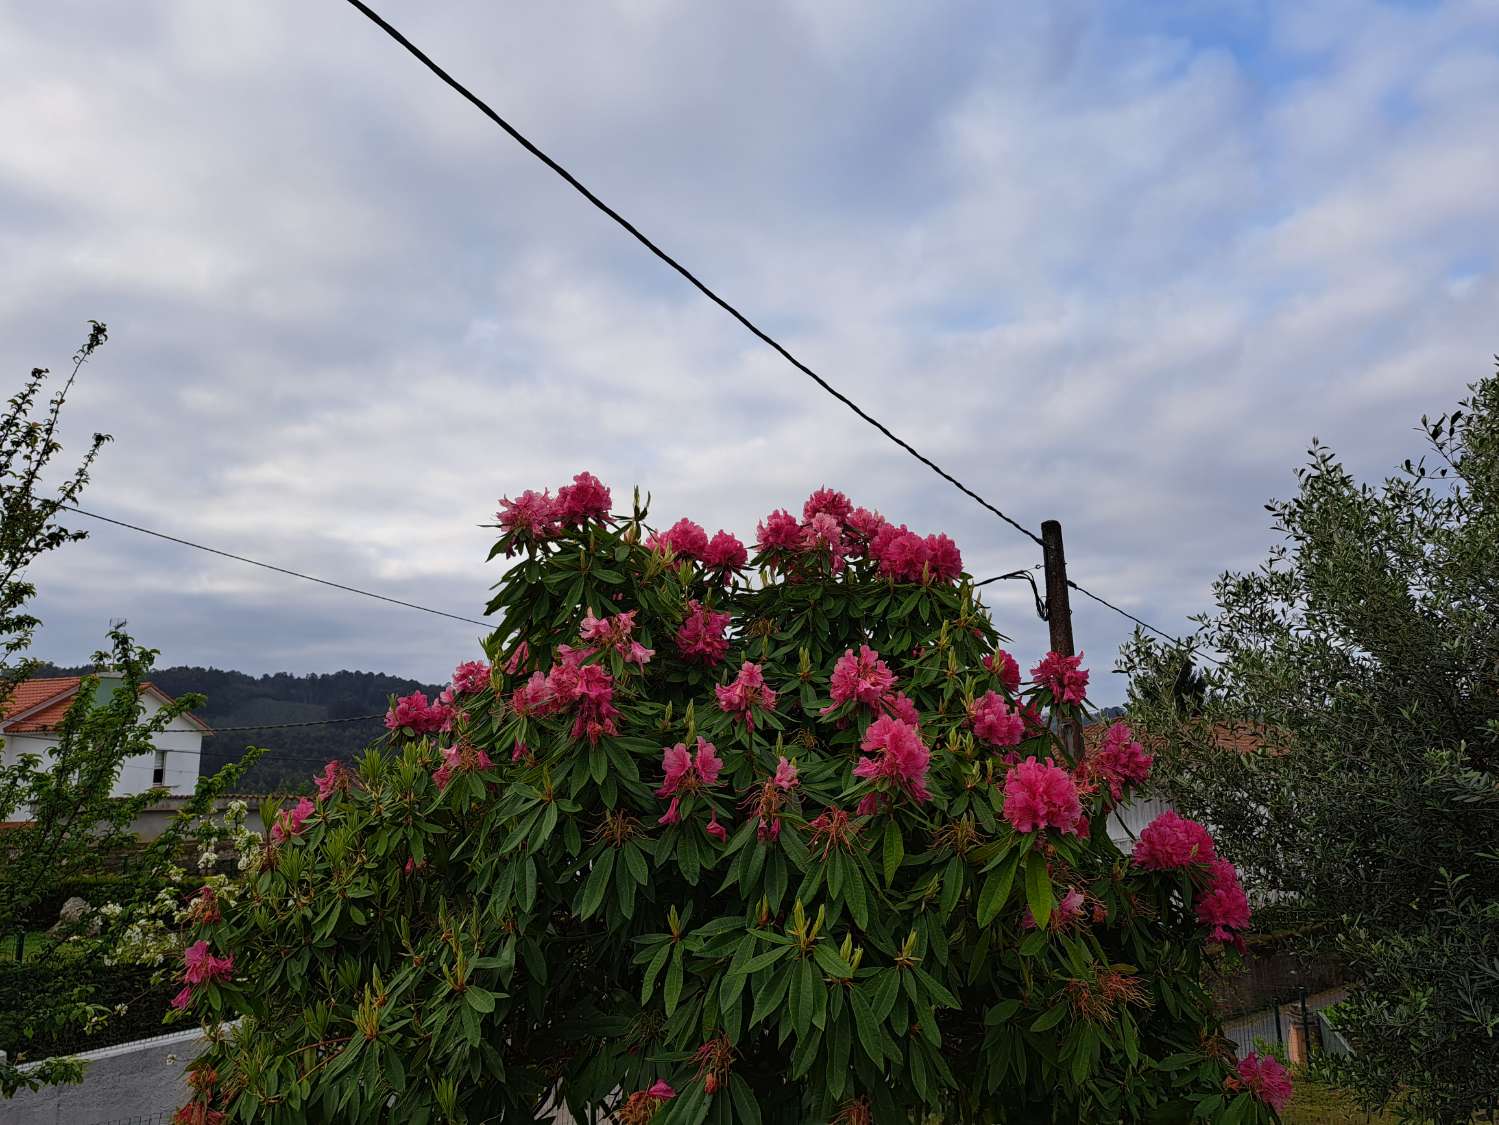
[1106, 270]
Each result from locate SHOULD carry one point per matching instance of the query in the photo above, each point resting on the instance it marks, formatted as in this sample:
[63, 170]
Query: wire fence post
[1306, 1024]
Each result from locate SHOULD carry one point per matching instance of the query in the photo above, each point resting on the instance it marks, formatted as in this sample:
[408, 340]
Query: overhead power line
[293, 726]
[687, 274]
[1138, 621]
[577, 185]
[277, 569]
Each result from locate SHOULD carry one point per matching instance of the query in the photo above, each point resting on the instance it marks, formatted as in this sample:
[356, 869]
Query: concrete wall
[132, 1080]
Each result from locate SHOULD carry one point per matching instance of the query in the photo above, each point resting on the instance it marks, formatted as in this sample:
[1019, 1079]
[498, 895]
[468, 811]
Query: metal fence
[164, 1117]
[1293, 1023]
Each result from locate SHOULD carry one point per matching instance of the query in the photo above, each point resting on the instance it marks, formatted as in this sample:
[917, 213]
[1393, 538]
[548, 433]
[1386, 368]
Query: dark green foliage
[1363, 658]
[419, 953]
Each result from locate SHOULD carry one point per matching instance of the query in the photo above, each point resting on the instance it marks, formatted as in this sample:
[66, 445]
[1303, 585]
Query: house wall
[1127, 820]
[182, 741]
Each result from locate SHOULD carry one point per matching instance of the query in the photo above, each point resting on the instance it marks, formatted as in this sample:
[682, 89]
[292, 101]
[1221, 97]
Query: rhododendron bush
[729, 833]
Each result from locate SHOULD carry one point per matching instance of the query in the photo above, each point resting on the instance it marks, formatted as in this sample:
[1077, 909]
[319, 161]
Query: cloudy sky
[1111, 263]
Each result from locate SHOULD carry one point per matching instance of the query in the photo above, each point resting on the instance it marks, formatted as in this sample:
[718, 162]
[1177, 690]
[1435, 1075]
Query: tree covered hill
[236, 699]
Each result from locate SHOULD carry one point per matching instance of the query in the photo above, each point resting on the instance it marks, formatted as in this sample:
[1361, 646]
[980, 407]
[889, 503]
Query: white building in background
[35, 710]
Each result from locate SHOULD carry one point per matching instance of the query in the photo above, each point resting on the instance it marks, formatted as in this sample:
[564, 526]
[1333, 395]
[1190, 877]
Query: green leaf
[649, 982]
[1051, 1017]
[996, 892]
[1038, 889]
[672, 992]
[832, 963]
[479, 999]
[1001, 1013]
[746, 1108]
[598, 881]
[895, 850]
[867, 1026]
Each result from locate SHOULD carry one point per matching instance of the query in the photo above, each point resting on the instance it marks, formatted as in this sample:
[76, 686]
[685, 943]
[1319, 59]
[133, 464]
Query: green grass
[1316, 1104]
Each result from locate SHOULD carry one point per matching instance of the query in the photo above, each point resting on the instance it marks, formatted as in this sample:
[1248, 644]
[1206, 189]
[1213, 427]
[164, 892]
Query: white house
[35, 711]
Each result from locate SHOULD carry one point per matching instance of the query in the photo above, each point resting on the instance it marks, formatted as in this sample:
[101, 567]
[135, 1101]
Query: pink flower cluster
[200, 967]
[905, 556]
[995, 721]
[685, 773]
[413, 713]
[1120, 760]
[470, 677]
[1223, 905]
[1170, 841]
[747, 692]
[459, 758]
[1266, 1079]
[864, 678]
[1041, 795]
[831, 527]
[785, 776]
[614, 633]
[701, 637]
[535, 516]
[289, 821]
[723, 554]
[1003, 666]
[333, 779]
[903, 757]
[1062, 676]
[585, 690]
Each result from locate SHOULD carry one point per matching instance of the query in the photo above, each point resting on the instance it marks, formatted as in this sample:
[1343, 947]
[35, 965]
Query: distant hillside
[236, 699]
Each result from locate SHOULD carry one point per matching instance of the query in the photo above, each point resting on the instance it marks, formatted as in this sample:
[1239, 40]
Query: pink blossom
[661, 1090]
[673, 812]
[862, 526]
[1266, 1079]
[413, 712]
[1001, 664]
[521, 654]
[1068, 911]
[768, 829]
[585, 499]
[944, 558]
[608, 633]
[995, 721]
[868, 805]
[683, 772]
[716, 830]
[747, 692]
[701, 636]
[331, 780]
[520, 751]
[684, 539]
[1041, 795]
[460, 759]
[1171, 840]
[591, 688]
[707, 763]
[903, 557]
[779, 531]
[725, 553]
[827, 501]
[1120, 760]
[470, 676]
[534, 697]
[532, 515]
[1061, 676]
[903, 756]
[1223, 906]
[289, 821]
[786, 775]
[183, 998]
[202, 967]
[821, 534]
[864, 678]
[900, 706]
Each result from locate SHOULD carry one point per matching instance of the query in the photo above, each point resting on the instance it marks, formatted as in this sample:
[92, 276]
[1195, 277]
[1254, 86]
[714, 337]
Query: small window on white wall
[159, 771]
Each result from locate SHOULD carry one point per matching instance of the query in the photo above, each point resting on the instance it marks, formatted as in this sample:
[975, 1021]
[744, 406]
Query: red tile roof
[40, 704]
[32, 693]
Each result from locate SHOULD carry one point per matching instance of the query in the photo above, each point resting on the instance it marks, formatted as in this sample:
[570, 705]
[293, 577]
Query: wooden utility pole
[1059, 617]
[1058, 607]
